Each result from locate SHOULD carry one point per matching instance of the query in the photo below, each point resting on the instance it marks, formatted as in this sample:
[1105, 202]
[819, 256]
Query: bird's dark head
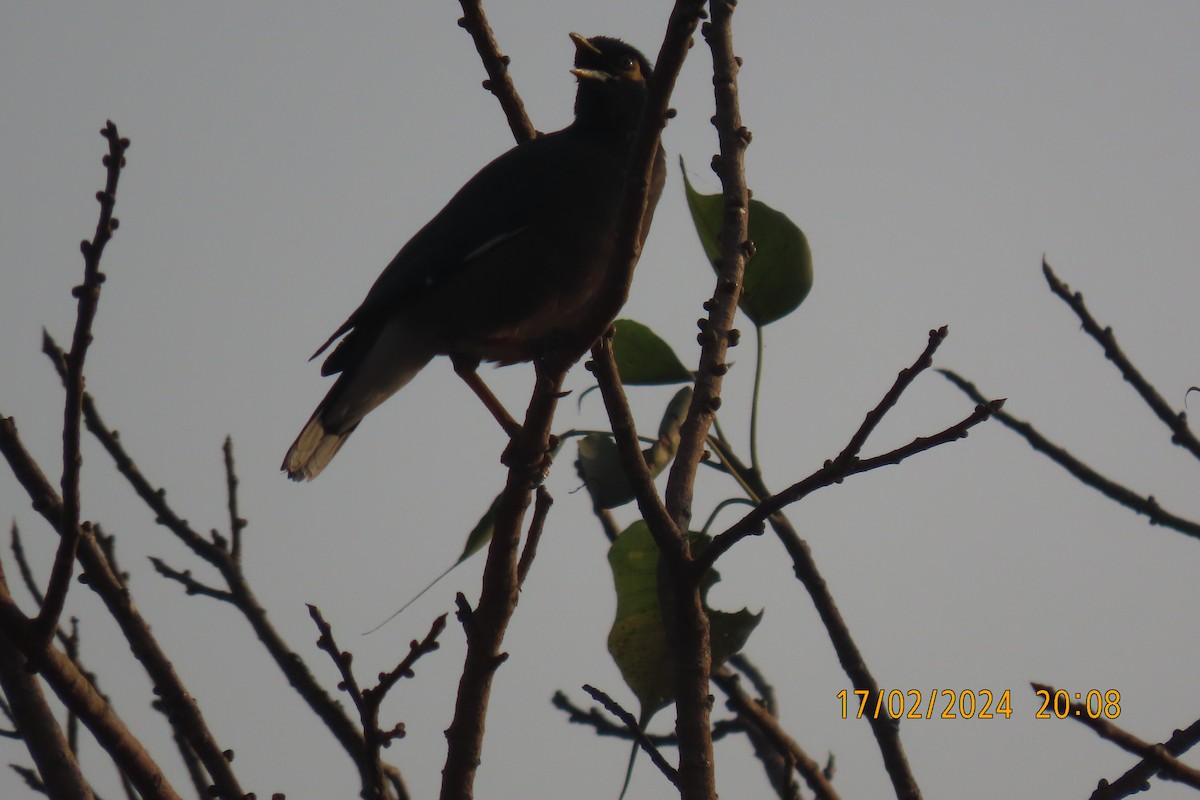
[612, 82]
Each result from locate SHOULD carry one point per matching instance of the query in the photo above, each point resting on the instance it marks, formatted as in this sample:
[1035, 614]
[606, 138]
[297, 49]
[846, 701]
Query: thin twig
[1157, 754]
[88, 295]
[498, 82]
[1147, 505]
[76, 691]
[764, 722]
[187, 754]
[1181, 434]
[368, 700]
[541, 509]
[603, 726]
[112, 591]
[886, 731]
[32, 715]
[1137, 777]
[766, 692]
[527, 456]
[717, 334]
[236, 523]
[331, 713]
[190, 584]
[667, 535]
[847, 462]
[631, 723]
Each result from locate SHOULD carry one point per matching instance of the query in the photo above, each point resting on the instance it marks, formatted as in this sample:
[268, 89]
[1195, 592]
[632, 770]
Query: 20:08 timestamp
[976, 704]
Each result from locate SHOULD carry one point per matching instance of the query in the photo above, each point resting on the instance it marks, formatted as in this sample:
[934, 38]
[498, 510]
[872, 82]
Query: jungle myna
[506, 268]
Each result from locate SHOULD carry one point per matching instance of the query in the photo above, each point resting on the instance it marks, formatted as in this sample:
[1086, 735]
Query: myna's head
[612, 82]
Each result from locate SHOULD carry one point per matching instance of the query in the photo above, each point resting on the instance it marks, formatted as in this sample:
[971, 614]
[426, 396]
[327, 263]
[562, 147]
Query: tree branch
[717, 333]
[635, 730]
[368, 701]
[1137, 777]
[180, 704]
[804, 565]
[498, 82]
[847, 462]
[88, 295]
[1181, 434]
[1082, 472]
[33, 719]
[215, 552]
[760, 719]
[486, 625]
[1158, 756]
[77, 693]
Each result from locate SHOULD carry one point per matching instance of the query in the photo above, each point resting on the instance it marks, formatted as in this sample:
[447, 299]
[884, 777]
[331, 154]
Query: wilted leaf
[637, 640]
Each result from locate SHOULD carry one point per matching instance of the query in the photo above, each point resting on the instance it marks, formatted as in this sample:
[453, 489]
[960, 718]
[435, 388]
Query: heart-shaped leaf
[643, 358]
[779, 275]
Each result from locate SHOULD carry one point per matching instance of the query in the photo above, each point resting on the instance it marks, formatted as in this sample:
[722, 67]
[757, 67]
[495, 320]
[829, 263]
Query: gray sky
[933, 153]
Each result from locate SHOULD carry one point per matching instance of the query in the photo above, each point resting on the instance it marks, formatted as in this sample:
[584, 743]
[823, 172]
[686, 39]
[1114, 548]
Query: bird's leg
[467, 369]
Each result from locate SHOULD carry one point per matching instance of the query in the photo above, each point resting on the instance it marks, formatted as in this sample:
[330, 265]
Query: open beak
[583, 46]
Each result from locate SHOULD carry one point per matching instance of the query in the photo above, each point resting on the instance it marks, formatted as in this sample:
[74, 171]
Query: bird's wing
[492, 208]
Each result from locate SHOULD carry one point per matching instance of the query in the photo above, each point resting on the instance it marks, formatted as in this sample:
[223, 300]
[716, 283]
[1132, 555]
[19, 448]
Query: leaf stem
[758, 368]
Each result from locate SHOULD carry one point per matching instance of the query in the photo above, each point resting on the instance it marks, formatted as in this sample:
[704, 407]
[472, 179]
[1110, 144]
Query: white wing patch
[493, 242]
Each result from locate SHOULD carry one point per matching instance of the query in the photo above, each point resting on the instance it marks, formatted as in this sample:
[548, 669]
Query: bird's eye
[626, 63]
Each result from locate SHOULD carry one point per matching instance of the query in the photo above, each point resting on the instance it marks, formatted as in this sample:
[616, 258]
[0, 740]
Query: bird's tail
[382, 371]
[314, 448]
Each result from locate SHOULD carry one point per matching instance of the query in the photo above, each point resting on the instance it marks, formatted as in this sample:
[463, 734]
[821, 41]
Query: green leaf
[637, 640]
[643, 358]
[779, 275]
[599, 467]
[599, 462]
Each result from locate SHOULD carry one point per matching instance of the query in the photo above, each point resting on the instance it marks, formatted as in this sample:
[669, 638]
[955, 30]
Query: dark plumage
[503, 272]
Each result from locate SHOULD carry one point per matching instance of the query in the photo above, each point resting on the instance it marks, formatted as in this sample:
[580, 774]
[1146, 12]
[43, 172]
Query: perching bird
[505, 270]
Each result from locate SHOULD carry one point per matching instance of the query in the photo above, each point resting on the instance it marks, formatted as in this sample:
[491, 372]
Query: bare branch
[88, 294]
[1158, 755]
[667, 535]
[764, 723]
[717, 333]
[541, 509]
[1136, 778]
[100, 577]
[804, 565]
[847, 462]
[332, 714]
[236, 523]
[190, 584]
[78, 693]
[34, 720]
[527, 457]
[367, 701]
[187, 754]
[1085, 474]
[631, 723]
[498, 82]
[1181, 434]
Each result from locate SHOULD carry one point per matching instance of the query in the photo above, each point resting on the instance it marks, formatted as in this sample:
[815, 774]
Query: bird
[504, 272]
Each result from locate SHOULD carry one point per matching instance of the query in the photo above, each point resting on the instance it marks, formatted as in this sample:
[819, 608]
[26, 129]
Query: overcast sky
[933, 153]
